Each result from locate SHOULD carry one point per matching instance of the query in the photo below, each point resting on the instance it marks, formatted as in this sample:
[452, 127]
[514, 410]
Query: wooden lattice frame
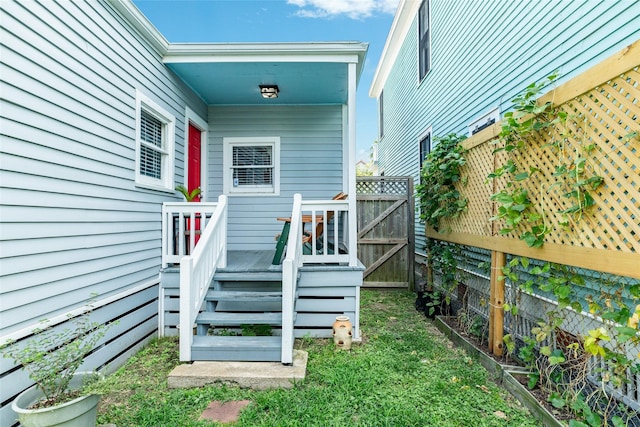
[603, 107]
[396, 185]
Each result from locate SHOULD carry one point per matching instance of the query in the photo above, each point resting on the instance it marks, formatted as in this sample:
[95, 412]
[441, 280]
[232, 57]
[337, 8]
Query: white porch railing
[181, 223]
[326, 244]
[197, 270]
[292, 262]
[332, 245]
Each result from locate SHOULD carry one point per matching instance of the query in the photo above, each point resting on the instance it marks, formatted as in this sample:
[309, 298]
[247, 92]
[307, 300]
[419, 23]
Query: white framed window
[381, 114]
[484, 121]
[155, 130]
[251, 165]
[424, 143]
[424, 39]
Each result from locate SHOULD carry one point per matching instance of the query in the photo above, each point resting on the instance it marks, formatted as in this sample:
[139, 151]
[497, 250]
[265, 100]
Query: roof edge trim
[346, 52]
[141, 23]
[268, 49]
[405, 14]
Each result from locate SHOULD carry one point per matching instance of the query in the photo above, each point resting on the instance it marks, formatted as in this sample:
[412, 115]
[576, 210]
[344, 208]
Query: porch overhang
[230, 73]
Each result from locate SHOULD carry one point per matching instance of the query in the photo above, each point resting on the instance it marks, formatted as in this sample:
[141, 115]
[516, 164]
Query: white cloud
[388, 6]
[354, 9]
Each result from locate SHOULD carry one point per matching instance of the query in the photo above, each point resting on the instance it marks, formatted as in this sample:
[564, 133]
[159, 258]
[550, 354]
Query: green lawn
[405, 373]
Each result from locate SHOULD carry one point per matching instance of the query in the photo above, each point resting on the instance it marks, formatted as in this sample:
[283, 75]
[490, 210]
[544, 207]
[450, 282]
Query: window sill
[252, 194]
[154, 187]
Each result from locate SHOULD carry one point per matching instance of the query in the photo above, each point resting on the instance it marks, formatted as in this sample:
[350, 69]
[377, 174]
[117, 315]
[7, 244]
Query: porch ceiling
[229, 74]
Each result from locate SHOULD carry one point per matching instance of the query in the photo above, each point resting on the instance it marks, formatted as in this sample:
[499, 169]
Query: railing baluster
[320, 251]
[174, 225]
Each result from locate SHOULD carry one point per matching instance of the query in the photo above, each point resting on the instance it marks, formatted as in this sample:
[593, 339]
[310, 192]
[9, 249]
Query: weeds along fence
[554, 225]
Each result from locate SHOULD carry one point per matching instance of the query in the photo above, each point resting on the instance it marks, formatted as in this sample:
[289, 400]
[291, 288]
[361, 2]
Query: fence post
[496, 303]
[492, 282]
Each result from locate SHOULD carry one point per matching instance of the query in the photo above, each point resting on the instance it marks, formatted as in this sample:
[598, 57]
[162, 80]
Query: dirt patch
[224, 412]
[478, 343]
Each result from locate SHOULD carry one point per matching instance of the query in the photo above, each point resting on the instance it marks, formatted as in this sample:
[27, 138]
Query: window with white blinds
[251, 165]
[154, 145]
[151, 151]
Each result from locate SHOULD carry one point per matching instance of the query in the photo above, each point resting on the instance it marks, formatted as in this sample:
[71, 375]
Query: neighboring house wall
[73, 221]
[310, 163]
[482, 55]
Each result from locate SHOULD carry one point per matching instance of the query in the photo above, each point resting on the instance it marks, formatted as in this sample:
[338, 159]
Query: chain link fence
[555, 316]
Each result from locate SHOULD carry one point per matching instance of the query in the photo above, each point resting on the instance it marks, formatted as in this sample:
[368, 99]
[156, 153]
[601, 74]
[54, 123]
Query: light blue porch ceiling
[229, 74]
[237, 83]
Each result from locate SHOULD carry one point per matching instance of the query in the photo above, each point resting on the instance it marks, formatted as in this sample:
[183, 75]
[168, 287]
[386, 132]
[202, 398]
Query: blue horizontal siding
[483, 54]
[310, 164]
[72, 221]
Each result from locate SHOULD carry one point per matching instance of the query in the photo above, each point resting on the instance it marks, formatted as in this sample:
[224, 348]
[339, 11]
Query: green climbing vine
[437, 192]
[573, 172]
[560, 361]
[534, 201]
[439, 197]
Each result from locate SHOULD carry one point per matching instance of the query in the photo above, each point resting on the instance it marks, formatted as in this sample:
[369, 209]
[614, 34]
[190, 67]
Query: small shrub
[52, 357]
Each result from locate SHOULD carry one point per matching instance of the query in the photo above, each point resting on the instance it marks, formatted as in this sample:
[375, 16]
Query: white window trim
[191, 117]
[227, 176]
[165, 183]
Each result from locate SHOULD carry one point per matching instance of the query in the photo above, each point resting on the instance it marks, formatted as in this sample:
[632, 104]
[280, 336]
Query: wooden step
[248, 276]
[253, 349]
[237, 319]
[243, 296]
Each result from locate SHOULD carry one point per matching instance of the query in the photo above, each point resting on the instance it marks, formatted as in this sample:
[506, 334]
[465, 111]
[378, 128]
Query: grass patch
[405, 373]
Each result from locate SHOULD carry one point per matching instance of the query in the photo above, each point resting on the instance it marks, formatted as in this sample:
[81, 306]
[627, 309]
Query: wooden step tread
[248, 276]
[243, 296]
[224, 342]
[237, 319]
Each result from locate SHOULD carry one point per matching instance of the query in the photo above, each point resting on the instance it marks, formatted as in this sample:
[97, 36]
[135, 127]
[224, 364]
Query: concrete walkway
[254, 375]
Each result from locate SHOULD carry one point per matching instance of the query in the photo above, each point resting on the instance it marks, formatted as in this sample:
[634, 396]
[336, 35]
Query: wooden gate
[385, 230]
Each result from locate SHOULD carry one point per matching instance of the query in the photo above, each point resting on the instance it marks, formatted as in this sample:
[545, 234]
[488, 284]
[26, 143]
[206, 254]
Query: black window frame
[425, 147]
[381, 114]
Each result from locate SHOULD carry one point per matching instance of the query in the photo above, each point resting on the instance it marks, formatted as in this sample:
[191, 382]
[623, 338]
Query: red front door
[193, 179]
[193, 169]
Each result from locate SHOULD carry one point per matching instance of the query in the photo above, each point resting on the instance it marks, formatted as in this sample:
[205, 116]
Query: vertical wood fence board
[385, 229]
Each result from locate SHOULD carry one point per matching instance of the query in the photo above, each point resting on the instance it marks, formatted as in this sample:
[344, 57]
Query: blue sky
[366, 21]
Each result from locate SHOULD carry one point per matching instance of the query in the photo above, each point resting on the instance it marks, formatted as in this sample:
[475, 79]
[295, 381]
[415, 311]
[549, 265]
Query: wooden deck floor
[250, 261]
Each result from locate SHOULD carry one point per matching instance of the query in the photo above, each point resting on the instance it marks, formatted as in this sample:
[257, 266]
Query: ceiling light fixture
[269, 91]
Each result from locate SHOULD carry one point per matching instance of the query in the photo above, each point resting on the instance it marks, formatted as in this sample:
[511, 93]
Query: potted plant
[189, 196]
[52, 358]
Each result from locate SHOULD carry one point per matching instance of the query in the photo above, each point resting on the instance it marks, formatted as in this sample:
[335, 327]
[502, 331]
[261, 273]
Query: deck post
[290, 267]
[186, 331]
[351, 125]
[287, 311]
[222, 201]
